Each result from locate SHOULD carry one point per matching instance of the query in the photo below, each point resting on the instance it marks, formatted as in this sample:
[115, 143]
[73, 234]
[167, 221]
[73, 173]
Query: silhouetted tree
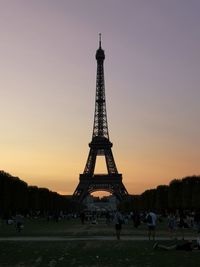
[175, 194]
[17, 196]
[161, 202]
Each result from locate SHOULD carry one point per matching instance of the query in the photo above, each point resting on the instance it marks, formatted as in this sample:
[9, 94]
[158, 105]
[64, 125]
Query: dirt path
[69, 238]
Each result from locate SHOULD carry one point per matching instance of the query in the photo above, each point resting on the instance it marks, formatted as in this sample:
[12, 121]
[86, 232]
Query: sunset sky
[47, 89]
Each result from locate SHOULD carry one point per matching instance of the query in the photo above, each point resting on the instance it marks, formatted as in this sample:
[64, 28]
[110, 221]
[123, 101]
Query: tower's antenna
[99, 40]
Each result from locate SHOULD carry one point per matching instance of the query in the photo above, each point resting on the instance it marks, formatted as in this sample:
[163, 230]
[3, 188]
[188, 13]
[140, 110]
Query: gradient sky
[47, 89]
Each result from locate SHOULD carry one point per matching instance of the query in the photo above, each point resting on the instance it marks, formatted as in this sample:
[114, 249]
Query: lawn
[41, 227]
[88, 253]
[92, 253]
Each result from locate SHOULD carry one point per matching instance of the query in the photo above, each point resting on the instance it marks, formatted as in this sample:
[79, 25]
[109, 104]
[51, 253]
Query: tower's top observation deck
[100, 55]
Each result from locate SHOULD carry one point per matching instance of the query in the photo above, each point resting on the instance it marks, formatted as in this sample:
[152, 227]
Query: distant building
[101, 204]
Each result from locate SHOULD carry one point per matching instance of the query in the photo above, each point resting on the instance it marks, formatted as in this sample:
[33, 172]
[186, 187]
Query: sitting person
[186, 246]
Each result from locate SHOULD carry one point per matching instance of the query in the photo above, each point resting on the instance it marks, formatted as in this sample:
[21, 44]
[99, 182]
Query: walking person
[151, 219]
[172, 225]
[197, 220]
[19, 222]
[136, 219]
[118, 219]
[182, 223]
[82, 216]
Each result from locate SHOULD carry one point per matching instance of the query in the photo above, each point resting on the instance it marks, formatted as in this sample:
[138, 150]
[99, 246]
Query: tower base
[111, 183]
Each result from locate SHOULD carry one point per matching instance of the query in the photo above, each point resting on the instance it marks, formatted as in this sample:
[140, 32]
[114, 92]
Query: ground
[68, 243]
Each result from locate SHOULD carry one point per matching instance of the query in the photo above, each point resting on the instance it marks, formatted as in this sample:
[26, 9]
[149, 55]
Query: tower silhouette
[100, 146]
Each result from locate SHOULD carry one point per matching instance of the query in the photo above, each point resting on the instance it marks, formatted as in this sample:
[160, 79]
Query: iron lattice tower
[100, 146]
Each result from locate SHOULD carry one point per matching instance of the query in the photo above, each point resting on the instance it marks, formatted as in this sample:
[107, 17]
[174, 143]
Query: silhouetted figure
[118, 219]
[172, 224]
[56, 216]
[186, 246]
[82, 216]
[182, 223]
[151, 219]
[19, 222]
[108, 217]
[136, 219]
[197, 220]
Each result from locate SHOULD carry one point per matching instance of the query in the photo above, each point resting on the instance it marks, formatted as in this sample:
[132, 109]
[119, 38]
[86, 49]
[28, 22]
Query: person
[118, 219]
[182, 223]
[136, 219]
[186, 246]
[82, 216]
[172, 224]
[107, 215]
[19, 222]
[197, 220]
[151, 219]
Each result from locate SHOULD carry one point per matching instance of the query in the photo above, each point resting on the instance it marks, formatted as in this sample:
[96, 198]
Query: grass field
[93, 253]
[87, 252]
[41, 227]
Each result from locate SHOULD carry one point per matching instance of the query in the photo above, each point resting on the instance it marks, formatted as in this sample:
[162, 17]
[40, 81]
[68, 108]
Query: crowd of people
[173, 221]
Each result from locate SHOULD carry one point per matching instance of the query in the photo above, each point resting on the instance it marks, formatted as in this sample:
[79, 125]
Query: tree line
[182, 194]
[17, 197]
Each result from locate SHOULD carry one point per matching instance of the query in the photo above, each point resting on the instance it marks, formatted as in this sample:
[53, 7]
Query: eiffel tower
[100, 146]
